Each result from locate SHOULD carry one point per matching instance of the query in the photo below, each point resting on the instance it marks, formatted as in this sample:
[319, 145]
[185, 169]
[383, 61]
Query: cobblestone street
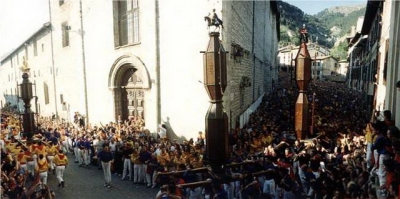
[88, 182]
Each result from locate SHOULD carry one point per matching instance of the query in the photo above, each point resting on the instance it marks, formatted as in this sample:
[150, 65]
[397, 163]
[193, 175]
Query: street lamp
[216, 121]
[303, 77]
[26, 95]
[315, 63]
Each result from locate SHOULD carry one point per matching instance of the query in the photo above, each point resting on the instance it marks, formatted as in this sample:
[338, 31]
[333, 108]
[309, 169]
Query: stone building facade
[373, 57]
[142, 58]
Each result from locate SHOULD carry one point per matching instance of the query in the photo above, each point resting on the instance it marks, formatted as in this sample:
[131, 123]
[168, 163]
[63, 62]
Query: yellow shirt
[21, 157]
[163, 158]
[40, 150]
[52, 150]
[60, 160]
[42, 165]
[368, 135]
[135, 158]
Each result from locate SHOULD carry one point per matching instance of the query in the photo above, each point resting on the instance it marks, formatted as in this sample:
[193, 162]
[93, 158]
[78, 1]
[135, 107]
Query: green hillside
[328, 27]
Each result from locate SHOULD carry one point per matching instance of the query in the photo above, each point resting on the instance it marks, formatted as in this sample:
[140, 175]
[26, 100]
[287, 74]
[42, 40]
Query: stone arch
[122, 65]
[127, 72]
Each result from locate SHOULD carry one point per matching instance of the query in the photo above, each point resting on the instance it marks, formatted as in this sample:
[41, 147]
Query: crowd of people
[348, 154]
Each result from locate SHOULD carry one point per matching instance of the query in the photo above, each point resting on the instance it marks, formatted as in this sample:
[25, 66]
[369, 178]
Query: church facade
[142, 58]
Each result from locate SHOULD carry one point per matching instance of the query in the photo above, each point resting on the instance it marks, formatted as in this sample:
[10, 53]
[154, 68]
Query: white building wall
[393, 74]
[39, 65]
[183, 34]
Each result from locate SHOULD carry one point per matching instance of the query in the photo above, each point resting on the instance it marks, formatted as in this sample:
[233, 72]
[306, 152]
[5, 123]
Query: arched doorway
[132, 95]
[129, 82]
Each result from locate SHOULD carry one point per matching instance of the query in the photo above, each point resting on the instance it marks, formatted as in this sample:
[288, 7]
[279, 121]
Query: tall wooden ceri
[303, 77]
[216, 120]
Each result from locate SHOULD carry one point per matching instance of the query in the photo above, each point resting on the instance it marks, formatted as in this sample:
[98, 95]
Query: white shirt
[162, 132]
[112, 146]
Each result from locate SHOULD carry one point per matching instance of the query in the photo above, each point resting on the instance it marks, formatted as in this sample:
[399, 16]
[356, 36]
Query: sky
[312, 7]
[19, 19]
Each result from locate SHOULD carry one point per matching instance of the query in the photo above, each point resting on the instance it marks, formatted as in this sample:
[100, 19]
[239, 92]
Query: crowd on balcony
[349, 154]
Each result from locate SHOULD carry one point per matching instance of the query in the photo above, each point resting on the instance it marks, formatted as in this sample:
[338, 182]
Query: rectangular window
[26, 52]
[42, 47]
[241, 97]
[61, 98]
[128, 22]
[35, 53]
[46, 93]
[65, 34]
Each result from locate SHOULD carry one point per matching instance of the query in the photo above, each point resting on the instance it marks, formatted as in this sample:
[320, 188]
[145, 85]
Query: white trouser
[76, 153]
[80, 156]
[381, 171]
[107, 171]
[376, 155]
[269, 188]
[138, 173]
[83, 156]
[60, 173]
[86, 157]
[288, 195]
[64, 146]
[369, 155]
[229, 189]
[35, 157]
[43, 177]
[278, 192]
[147, 175]
[31, 167]
[24, 167]
[68, 141]
[196, 193]
[51, 158]
[148, 179]
[127, 168]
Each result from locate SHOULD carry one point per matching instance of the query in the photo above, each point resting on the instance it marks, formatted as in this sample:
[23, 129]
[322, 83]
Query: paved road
[87, 183]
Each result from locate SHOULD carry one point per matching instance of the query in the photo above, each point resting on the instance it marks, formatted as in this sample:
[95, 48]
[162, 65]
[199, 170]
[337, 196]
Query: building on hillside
[327, 66]
[323, 64]
[142, 58]
[343, 66]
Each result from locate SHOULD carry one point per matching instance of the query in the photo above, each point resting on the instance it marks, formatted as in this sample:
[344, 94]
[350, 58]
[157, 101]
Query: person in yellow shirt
[22, 160]
[61, 162]
[41, 149]
[163, 158]
[42, 168]
[51, 152]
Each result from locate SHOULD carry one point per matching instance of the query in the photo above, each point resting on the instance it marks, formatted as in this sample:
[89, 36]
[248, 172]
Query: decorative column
[303, 76]
[28, 119]
[215, 81]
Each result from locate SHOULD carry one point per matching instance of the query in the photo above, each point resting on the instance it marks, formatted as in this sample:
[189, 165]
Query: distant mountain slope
[292, 18]
[341, 18]
[329, 26]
